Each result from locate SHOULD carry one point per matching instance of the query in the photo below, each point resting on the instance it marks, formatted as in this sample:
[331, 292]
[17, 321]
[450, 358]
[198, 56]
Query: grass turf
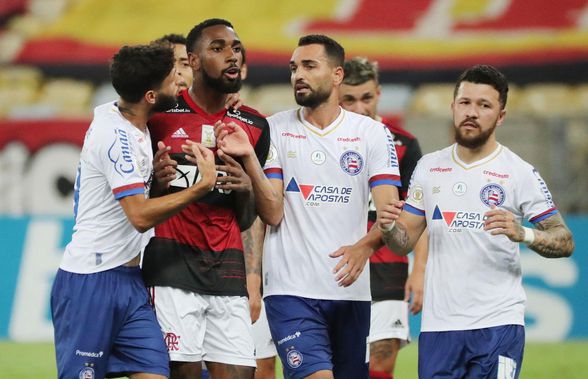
[566, 360]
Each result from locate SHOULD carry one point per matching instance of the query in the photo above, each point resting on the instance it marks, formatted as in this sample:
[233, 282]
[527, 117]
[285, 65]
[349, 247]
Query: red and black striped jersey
[388, 271]
[200, 248]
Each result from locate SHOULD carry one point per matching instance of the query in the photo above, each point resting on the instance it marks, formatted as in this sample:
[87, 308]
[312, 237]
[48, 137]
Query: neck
[470, 155]
[206, 98]
[323, 115]
[136, 113]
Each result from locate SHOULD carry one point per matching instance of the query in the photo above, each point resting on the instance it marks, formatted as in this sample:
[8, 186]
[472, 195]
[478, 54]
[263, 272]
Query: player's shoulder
[248, 116]
[283, 116]
[106, 118]
[440, 158]
[513, 160]
[396, 129]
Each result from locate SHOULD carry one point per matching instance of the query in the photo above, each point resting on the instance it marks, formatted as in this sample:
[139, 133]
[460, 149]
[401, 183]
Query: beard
[312, 99]
[164, 102]
[222, 85]
[472, 142]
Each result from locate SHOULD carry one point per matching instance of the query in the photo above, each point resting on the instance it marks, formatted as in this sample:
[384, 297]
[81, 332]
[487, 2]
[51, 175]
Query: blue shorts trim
[495, 352]
[313, 335]
[105, 326]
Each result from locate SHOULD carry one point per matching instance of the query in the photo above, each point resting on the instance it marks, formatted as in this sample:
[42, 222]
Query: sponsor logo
[298, 136]
[492, 194]
[458, 221]
[544, 189]
[178, 110]
[180, 133]
[87, 373]
[348, 139]
[496, 175]
[459, 189]
[392, 150]
[398, 324]
[187, 175]
[351, 162]
[317, 195]
[441, 169]
[294, 358]
[289, 338]
[122, 158]
[233, 113]
[172, 341]
[90, 354]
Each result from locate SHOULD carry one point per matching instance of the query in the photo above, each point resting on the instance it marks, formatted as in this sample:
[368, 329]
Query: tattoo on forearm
[252, 248]
[397, 238]
[553, 239]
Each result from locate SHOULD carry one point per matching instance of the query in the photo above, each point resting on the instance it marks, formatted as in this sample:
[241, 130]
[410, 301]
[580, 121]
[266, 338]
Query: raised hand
[389, 213]
[233, 101]
[499, 221]
[232, 139]
[204, 159]
[235, 179]
[164, 168]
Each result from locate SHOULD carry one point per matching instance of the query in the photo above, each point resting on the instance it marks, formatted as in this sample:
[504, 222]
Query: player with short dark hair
[178, 43]
[472, 197]
[390, 283]
[103, 323]
[195, 263]
[320, 169]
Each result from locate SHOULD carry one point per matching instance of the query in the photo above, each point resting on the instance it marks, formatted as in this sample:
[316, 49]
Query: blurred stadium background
[54, 69]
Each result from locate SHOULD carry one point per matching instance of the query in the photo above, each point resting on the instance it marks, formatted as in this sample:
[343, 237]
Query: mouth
[232, 73]
[300, 88]
[470, 125]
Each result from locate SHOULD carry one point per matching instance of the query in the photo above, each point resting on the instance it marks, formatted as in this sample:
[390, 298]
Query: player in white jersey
[104, 324]
[472, 196]
[322, 165]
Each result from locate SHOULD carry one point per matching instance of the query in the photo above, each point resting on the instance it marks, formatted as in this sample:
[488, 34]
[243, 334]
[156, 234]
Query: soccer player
[389, 331]
[472, 197]
[104, 324]
[178, 43]
[195, 263]
[321, 167]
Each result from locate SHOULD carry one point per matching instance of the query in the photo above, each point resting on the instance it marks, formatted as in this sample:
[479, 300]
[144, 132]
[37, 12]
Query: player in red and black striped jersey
[390, 282]
[195, 263]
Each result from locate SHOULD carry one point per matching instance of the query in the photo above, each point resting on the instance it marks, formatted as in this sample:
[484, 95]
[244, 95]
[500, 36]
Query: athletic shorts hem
[267, 355]
[403, 337]
[180, 357]
[117, 372]
[309, 370]
[230, 360]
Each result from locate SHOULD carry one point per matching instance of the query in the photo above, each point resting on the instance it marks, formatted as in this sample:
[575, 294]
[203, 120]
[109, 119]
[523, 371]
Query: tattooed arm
[407, 229]
[253, 247]
[553, 239]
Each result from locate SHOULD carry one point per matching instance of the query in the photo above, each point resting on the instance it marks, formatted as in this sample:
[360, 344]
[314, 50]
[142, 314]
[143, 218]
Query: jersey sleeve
[118, 163]
[262, 146]
[382, 158]
[408, 163]
[535, 200]
[415, 202]
[273, 166]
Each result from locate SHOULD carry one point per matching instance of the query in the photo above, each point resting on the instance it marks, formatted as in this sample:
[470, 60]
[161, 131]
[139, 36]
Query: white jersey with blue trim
[116, 161]
[473, 279]
[327, 175]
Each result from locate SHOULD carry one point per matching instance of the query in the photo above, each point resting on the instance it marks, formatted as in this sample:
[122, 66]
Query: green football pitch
[567, 360]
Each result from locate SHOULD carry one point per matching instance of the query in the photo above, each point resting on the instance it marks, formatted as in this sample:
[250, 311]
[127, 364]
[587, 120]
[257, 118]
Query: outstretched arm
[550, 239]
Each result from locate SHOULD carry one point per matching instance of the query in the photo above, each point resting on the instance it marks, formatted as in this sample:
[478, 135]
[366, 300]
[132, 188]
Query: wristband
[387, 228]
[529, 235]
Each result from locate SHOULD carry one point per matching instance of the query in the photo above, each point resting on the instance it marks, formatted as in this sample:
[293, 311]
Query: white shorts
[389, 321]
[204, 327]
[262, 338]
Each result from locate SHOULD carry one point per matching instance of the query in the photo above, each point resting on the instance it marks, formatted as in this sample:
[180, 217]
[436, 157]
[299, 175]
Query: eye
[237, 49]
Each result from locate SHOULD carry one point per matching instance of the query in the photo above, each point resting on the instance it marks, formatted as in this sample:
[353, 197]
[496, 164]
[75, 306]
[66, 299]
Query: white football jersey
[327, 176]
[473, 279]
[116, 161]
